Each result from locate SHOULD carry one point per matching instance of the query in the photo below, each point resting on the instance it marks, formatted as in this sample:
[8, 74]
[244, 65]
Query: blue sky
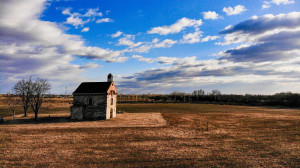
[236, 47]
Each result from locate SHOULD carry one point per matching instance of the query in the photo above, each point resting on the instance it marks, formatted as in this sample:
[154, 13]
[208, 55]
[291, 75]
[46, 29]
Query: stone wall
[94, 112]
[76, 112]
[98, 100]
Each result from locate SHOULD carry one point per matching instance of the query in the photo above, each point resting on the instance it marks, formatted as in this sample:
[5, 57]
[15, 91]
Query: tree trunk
[25, 111]
[35, 115]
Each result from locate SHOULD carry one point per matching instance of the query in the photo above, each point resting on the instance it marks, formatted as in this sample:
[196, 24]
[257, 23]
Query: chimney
[110, 78]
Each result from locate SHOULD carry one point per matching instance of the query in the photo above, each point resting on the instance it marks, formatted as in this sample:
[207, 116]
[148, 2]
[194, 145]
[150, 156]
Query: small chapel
[95, 100]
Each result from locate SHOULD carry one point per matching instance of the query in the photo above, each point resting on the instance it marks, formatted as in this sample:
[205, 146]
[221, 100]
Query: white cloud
[155, 40]
[86, 29]
[266, 42]
[154, 44]
[270, 38]
[211, 15]
[77, 19]
[136, 56]
[97, 53]
[30, 46]
[89, 65]
[117, 59]
[193, 73]
[268, 4]
[143, 59]
[256, 28]
[196, 37]
[67, 11]
[178, 26]
[127, 40]
[165, 44]
[228, 27]
[192, 37]
[93, 12]
[143, 48]
[104, 20]
[117, 34]
[209, 38]
[239, 9]
[167, 60]
[278, 2]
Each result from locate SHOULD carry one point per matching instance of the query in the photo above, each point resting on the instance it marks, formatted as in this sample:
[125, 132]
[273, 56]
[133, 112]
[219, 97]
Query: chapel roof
[93, 87]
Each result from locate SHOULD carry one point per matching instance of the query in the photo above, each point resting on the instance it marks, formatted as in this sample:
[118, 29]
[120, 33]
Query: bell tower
[110, 78]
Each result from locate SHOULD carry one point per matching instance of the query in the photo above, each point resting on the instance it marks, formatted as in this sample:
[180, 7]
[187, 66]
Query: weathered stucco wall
[111, 107]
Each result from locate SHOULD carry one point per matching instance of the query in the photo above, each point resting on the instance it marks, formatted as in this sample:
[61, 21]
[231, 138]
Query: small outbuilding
[95, 100]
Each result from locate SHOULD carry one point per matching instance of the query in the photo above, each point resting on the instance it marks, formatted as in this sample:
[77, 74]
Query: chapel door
[111, 113]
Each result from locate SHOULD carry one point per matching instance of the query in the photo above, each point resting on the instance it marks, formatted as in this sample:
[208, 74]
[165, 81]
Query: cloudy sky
[155, 46]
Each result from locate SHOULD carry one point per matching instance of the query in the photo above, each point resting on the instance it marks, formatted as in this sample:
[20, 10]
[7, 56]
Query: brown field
[155, 135]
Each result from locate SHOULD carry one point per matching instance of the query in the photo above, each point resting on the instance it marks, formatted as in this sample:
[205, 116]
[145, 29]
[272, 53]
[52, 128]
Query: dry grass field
[155, 135]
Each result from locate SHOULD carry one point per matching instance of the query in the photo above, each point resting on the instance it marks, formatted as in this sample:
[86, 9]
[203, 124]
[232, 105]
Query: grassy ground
[194, 136]
[50, 105]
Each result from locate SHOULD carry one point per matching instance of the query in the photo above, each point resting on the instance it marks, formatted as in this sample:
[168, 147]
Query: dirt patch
[269, 116]
[122, 120]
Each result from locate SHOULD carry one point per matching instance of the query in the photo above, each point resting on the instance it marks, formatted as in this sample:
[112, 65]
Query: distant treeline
[215, 97]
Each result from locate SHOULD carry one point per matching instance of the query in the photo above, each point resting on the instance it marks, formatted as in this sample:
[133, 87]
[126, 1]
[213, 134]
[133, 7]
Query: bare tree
[23, 89]
[39, 88]
[215, 92]
[12, 101]
[198, 93]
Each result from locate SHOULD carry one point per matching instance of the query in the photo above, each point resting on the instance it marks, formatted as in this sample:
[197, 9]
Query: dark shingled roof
[93, 87]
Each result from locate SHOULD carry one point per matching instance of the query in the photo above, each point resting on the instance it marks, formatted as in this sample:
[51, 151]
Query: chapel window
[90, 101]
